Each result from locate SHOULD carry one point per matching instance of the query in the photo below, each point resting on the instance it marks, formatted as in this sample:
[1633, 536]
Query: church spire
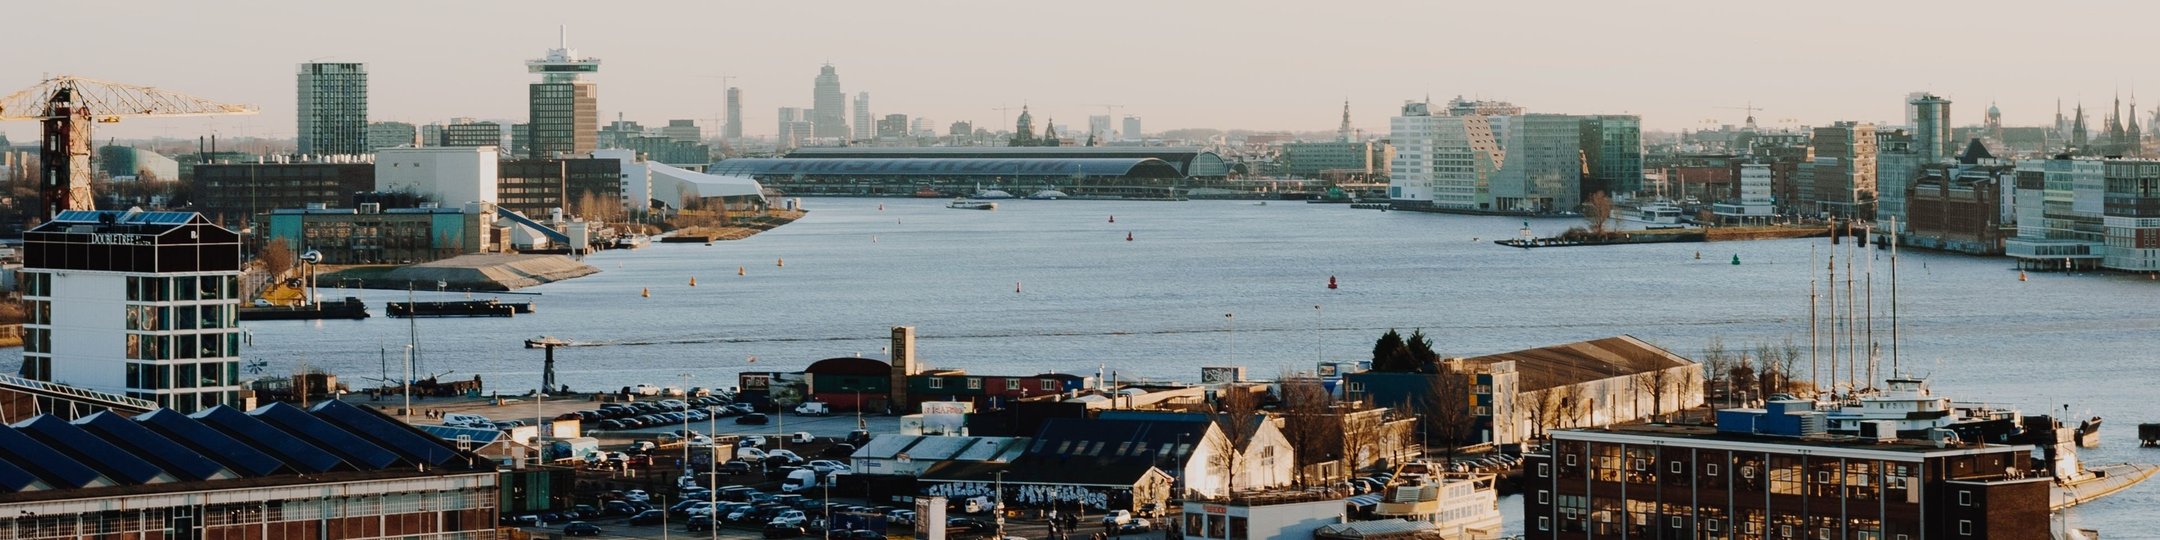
[1342, 134]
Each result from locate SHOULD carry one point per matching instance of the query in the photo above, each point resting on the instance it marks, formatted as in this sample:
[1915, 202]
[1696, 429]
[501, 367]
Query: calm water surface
[1156, 306]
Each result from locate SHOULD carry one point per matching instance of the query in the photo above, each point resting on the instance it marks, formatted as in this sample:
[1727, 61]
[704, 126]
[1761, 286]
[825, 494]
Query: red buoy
[1331, 282]
[1128, 236]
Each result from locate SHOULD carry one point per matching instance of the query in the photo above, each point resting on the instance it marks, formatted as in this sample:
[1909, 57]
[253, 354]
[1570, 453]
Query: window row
[145, 376]
[183, 347]
[182, 288]
[163, 318]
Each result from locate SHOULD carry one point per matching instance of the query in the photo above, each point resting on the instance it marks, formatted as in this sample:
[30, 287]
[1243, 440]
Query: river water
[1206, 283]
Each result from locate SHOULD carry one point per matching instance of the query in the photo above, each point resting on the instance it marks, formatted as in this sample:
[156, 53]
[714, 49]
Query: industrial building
[1958, 207]
[537, 187]
[1774, 473]
[142, 304]
[334, 470]
[371, 234]
[121, 162]
[1586, 383]
[451, 176]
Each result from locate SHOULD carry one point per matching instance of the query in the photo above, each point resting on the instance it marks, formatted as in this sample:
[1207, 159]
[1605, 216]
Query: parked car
[1135, 527]
[1117, 517]
[824, 466]
[968, 525]
[752, 419]
[801, 437]
[838, 451]
[580, 528]
[698, 524]
[858, 437]
[648, 517]
[637, 495]
[735, 467]
[785, 454]
[750, 454]
[782, 531]
[791, 518]
[751, 441]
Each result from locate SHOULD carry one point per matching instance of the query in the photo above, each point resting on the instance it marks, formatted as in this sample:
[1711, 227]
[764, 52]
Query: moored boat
[965, 204]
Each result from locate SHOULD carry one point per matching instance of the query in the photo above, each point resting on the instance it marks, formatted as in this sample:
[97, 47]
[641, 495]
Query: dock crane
[67, 105]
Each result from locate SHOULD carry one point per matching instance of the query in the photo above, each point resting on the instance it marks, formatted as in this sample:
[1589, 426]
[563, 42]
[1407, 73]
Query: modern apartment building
[1843, 178]
[1774, 473]
[537, 187]
[333, 112]
[1367, 159]
[2132, 215]
[1612, 154]
[1442, 161]
[143, 304]
[565, 110]
[232, 192]
[382, 135]
[1898, 163]
[472, 133]
[2059, 212]
[1543, 169]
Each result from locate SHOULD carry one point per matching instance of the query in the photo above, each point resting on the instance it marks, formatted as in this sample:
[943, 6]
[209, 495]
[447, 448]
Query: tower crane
[67, 105]
[1750, 108]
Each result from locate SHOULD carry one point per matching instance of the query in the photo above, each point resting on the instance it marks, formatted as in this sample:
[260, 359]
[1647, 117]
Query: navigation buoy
[780, 263]
[1128, 236]
[693, 282]
[880, 207]
[742, 271]
[1016, 287]
[646, 293]
[873, 239]
[2021, 275]
[1331, 282]
[1736, 259]
[1698, 255]
[1113, 219]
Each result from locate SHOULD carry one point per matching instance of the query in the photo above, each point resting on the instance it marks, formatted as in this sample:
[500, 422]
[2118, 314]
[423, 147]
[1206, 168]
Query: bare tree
[276, 258]
[1572, 405]
[1788, 361]
[1237, 414]
[1309, 422]
[1446, 413]
[1717, 364]
[1544, 407]
[1769, 379]
[1657, 382]
[1597, 212]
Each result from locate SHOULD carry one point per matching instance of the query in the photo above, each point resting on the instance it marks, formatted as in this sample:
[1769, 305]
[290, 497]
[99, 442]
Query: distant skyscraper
[1132, 128]
[1912, 116]
[1099, 127]
[565, 110]
[865, 126]
[794, 127]
[1931, 127]
[333, 108]
[893, 126]
[734, 114]
[828, 110]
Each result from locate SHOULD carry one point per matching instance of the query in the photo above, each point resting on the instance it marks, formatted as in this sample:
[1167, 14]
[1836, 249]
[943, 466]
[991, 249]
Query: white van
[813, 408]
[462, 419]
[645, 390]
[798, 481]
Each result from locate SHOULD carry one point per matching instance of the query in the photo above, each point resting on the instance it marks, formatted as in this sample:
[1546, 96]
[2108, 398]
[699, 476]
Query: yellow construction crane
[67, 105]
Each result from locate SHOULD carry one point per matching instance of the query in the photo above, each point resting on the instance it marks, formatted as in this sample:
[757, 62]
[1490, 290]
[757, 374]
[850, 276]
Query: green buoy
[1736, 259]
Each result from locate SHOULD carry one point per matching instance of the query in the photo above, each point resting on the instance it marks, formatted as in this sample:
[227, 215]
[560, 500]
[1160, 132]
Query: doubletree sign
[120, 239]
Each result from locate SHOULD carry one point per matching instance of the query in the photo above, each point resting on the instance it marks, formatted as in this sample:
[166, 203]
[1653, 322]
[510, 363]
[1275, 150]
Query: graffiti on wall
[1025, 494]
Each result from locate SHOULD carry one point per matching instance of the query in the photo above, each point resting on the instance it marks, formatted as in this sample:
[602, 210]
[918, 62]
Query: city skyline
[1674, 65]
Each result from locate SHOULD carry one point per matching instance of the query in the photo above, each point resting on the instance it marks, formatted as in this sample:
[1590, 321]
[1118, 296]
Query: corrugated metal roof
[886, 446]
[1570, 363]
[989, 448]
[938, 448]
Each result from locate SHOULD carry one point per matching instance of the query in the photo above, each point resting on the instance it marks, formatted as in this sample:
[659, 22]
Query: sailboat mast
[1871, 350]
[1893, 297]
[1830, 292]
[1814, 321]
[1852, 346]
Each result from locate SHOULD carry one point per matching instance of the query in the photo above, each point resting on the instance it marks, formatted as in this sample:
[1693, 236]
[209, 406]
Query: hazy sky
[1246, 64]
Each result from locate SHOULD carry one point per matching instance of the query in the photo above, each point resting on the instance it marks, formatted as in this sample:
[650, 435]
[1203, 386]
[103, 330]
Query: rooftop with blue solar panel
[48, 457]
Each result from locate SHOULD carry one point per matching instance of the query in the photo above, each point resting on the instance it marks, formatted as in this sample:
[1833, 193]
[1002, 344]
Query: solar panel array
[163, 446]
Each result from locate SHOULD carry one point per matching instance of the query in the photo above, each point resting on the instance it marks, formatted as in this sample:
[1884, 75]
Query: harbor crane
[67, 105]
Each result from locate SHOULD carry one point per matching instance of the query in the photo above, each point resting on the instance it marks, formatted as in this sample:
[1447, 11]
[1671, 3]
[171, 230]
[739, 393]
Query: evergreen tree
[1422, 357]
[1391, 355]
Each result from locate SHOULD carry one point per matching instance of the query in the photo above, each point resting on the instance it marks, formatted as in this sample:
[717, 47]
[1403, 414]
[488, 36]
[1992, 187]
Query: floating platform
[349, 308]
[2097, 482]
[461, 308]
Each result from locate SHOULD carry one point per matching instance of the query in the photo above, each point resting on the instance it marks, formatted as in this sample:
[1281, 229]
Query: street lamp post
[685, 438]
[997, 508]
